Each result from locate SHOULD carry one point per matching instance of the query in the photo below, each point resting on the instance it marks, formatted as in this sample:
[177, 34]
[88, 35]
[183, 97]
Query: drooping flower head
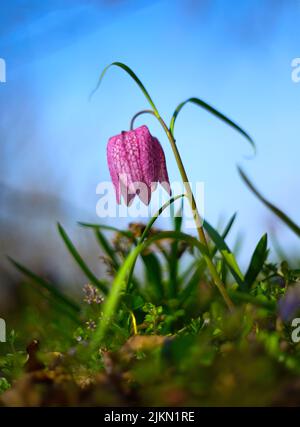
[136, 163]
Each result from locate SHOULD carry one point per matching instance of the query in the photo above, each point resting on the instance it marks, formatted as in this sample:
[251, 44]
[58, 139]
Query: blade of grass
[225, 233]
[279, 213]
[133, 76]
[257, 261]
[150, 224]
[73, 251]
[200, 264]
[154, 275]
[157, 214]
[173, 264]
[247, 298]
[212, 110]
[213, 251]
[192, 284]
[225, 252]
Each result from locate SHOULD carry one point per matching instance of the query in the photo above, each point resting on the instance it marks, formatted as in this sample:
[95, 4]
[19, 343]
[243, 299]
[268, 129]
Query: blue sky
[236, 56]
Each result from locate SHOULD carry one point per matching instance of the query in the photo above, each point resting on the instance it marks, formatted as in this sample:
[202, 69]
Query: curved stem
[139, 114]
[196, 215]
[133, 321]
[197, 218]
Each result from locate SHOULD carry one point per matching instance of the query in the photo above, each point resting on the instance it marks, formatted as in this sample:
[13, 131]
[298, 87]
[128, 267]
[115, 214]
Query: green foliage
[278, 212]
[4, 384]
[168, 337]
[52, 289]
[162, 335]
[216, 113]
[153, 318]
[225, 252]
[133, 76]
[257, 261]
[73, 251]
[12, 363]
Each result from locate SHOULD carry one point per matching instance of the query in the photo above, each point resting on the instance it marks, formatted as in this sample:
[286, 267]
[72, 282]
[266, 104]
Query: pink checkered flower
[136, 163]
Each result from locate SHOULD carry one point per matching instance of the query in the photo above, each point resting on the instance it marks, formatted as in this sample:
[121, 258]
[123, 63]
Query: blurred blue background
[235, 55]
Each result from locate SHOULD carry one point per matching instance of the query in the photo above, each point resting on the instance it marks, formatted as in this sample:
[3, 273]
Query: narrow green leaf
[229, 226]
[224, 270]
[154, 274]
[225, 232]
[52, 289]
[225, 252]
[133, 76]
[257, 261]
[177, 216]
[73, 251]
[199, 265]
[157, 214]
[212, 110]
[129, 234]
[192, 284]
[259, 301]
[174, 259]
[119, 284]
[151, 222]
[279, 213]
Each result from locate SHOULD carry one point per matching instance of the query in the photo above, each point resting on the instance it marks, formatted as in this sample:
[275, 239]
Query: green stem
[197, 218]
[139, 114]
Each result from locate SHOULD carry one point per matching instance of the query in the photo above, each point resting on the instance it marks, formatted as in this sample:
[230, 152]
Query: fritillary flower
[136, 163]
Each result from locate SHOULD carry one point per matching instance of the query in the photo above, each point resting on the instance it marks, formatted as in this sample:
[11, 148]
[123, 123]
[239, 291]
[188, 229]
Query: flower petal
[112, 168]
[136, 163]
[163, 177]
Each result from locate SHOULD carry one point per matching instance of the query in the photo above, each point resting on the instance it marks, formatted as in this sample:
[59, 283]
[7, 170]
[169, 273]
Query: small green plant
[153, 318]
[12, 363]
[4, 384]
[189, 327]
